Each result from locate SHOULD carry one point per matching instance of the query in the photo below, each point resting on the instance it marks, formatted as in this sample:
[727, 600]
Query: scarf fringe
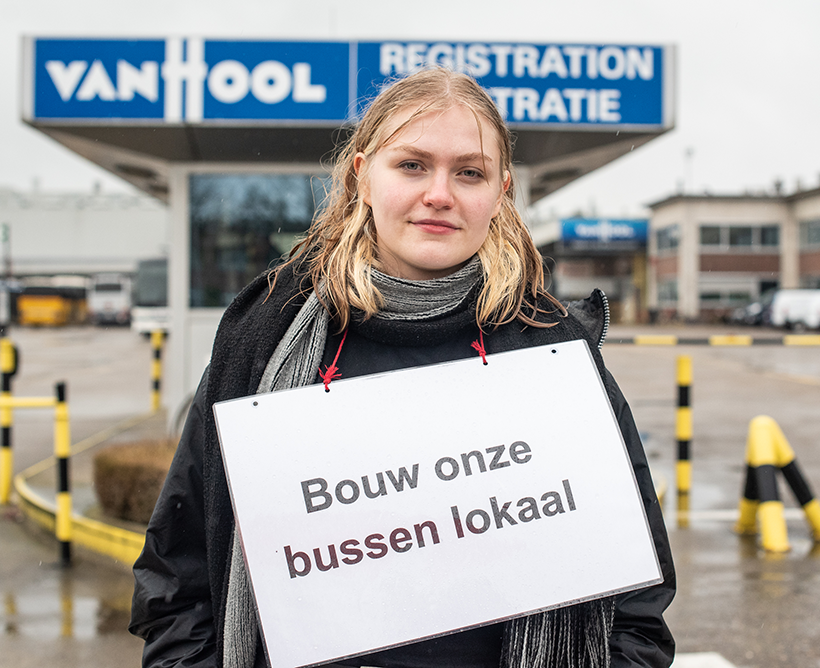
[576, 636]
[239, 646]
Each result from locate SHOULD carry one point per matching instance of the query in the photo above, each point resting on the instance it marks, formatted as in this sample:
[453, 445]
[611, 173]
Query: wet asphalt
[753, 609]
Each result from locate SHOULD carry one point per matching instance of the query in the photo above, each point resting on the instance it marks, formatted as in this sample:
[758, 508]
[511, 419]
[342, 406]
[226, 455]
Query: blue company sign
[194, 80]
[602, 231]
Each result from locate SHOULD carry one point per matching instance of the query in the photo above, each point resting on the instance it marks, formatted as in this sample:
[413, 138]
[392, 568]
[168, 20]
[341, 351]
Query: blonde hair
[341, 247]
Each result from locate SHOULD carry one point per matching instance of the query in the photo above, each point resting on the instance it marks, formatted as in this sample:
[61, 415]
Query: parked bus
[52, 301]
[149, 311]
[109, 299]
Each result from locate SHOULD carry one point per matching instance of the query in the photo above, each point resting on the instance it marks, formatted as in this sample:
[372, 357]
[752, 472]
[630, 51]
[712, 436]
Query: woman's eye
[472, 174]
[411, 166]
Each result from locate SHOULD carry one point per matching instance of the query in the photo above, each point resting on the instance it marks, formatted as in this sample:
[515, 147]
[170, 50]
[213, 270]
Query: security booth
[236, 135]
[605, 253]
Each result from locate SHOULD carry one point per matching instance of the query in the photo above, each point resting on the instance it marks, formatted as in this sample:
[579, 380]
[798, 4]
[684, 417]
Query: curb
[122, 545]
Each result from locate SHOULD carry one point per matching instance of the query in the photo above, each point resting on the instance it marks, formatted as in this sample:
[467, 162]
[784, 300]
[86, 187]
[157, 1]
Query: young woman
[418, 254]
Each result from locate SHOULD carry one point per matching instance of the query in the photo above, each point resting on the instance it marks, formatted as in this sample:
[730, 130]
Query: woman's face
[433, 190]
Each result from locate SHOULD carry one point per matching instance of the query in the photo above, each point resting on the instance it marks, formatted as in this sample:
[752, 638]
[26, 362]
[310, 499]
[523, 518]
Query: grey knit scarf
[575, 637]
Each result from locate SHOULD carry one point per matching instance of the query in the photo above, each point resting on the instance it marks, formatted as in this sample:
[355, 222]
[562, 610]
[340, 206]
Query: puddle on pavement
[52, 608]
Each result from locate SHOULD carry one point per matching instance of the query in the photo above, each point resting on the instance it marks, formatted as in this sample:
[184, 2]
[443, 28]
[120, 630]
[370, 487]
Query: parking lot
[756, 610]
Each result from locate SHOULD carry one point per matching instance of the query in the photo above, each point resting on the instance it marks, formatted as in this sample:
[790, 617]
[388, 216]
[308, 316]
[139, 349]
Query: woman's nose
[439, 193]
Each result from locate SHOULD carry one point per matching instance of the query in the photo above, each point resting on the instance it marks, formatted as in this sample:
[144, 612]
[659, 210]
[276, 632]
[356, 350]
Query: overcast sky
[748, 78]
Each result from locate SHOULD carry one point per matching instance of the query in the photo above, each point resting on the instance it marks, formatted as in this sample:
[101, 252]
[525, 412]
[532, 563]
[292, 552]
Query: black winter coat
[182, 574]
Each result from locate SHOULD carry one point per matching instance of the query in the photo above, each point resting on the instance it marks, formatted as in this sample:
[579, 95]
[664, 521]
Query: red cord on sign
[332, 372]
[479, 346]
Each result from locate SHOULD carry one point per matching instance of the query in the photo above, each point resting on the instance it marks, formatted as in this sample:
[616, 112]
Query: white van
[796, 309]
[109, 299]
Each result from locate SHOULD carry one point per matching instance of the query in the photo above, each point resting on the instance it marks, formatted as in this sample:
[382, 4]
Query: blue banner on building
[194, 80]
[604, 232]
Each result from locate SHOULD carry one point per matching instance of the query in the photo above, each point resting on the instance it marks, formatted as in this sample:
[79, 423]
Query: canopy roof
[136, 107]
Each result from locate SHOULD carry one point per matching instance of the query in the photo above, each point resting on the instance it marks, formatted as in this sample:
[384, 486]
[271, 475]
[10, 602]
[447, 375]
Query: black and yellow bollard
[683, 434]
[787, 463]
[8, 367]
[683, 423]
[157, 338]
[761, 499]
[62, 452]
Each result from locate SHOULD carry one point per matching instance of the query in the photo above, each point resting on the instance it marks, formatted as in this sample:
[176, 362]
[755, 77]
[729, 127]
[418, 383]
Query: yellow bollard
[8, 366]
[62, 452]
[157, 338]
[683, 424]
[761, 497]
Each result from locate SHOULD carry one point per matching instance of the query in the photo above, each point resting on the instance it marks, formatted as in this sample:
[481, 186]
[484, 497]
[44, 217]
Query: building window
[714, 297]
[770, 235]
[667, 238]
[810, 234]
[740, 235]
[745, 238]
[242, 224]
[709, 235]
[668, 292]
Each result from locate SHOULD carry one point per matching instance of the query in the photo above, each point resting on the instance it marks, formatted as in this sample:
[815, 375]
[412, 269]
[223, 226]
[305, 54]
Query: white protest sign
[410, 504]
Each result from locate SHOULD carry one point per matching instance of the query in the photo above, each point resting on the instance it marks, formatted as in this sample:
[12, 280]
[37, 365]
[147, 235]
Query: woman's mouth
[435, 226]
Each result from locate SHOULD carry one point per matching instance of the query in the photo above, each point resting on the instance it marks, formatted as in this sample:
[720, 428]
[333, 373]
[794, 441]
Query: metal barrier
[62, 453]
[62, 442]
[120, 544]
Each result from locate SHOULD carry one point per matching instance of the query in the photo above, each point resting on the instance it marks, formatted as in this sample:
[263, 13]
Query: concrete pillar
[790, 249]
[178, 289]
[688, 264]
[652, 273]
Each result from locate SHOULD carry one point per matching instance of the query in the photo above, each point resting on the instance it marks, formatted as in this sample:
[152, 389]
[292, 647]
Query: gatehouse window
[243, 224]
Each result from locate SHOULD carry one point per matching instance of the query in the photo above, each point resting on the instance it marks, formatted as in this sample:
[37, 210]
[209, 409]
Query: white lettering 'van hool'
[195, 80]
[189, 80]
